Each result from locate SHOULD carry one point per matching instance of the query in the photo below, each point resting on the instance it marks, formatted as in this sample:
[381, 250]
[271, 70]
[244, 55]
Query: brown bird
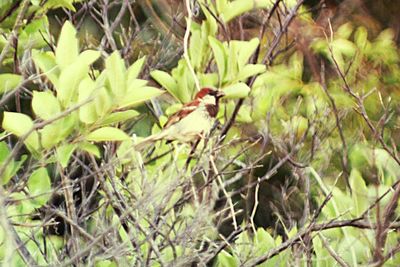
[192, 122]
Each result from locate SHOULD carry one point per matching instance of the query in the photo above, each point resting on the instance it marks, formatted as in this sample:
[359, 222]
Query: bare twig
[17, 25]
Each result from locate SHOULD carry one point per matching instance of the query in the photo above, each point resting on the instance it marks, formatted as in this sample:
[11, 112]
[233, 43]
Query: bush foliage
[301, 168]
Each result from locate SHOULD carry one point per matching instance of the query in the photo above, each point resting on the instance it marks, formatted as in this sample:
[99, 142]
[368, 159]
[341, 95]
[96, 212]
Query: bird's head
[209, 96]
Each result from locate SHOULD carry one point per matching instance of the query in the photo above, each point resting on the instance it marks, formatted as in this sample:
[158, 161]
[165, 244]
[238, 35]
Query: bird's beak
[220, 94]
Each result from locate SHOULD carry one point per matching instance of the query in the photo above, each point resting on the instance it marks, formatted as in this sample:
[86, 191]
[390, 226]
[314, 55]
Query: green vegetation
[301, 168]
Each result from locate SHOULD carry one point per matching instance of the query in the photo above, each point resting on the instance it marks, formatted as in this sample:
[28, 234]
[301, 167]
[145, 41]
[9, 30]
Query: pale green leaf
[238, 90]
[64, 153]
[136, 83]
[236, 8]
[12, 167]
[107, 134]
[344, 46]
[250, 70]
[138, 96]
[264, 4]
[116, 72]
[72, 75]
[196, 47]
[107, 263]
[20, 124]
[232, 65]
[248, 48]
[69, 80]
[225, 259]
[90, 148]
[208, 79]
[69, 124]
[88, 57]
[263, 240]
[50, 134]
[360, 192]
[46, 61]
[103, 102]
[134, 70]
[67, 47]
[361, 37]
[39, 186]
[221, 5]
[344, 31]
[9, 81]
[219, 56]
[244, 115]
[60, 3]
[45, 104]
[87, 112]
[119, 117]
[166, 81]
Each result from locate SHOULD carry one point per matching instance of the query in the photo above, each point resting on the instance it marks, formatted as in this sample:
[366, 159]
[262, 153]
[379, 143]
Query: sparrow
[193, 121]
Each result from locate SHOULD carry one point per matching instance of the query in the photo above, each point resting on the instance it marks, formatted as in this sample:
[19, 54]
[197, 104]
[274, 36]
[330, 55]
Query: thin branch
[18, 24]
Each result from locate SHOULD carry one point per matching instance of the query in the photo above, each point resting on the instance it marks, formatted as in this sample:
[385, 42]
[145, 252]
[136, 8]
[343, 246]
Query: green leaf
[46, 61]
[39, 185]
[219, 56]
[9, 81]
[50, 134]
[238, 90]
[12, 167]
[116, 72]
[263, 4]
[87, 112]
[361, 37]
[138, 96]
[386, 164]
[344, 31]
[60, 3]
[68, 125]
[196, 47]
[103, 102]
[136, 83]
[208, 79]
[166, 81]
[105, 263]
[119, 117]
[90, 148]
[360, 192]
[264, 241]
[4, 151]
[236, 8]
[72, 75]
[107, 134]
[250, 70]
[64, 153]
[67, 50]
[134, 70]
[70, 78]
[221, 5]
[88, 57]
[225, 259]
[19, 124]
[246, 51]
[344, 46]
[45, 104]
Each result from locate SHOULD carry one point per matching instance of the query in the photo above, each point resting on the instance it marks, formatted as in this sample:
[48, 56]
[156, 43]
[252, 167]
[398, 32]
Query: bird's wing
[182, 113]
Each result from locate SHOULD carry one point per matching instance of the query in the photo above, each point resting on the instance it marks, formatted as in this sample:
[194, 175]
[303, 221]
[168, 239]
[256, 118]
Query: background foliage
[302, 166]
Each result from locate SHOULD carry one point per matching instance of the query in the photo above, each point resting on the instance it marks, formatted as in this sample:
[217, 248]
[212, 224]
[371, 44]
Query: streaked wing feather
[182, 113]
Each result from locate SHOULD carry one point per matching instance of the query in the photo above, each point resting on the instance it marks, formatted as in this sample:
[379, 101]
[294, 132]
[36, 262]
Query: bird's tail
[150, 139]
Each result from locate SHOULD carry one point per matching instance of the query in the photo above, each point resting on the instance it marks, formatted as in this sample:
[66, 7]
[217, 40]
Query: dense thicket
[301, 168]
